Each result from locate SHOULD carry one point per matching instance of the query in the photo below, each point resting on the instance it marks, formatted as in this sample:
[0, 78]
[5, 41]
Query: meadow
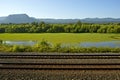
[57, 39]
[60, 37]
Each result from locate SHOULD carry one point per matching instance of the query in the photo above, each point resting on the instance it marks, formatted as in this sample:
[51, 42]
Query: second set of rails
[60, 61]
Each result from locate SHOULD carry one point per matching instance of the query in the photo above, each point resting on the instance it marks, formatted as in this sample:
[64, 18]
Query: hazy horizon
[59, 18]
[62, 9]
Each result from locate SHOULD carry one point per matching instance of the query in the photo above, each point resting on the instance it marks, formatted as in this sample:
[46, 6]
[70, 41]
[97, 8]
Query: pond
[101, 44]
[83, 44]
[26, 43]
[111, 44]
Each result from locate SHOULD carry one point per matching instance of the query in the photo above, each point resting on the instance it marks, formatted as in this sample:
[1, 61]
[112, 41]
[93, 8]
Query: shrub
[1, 41]
[44, 46]
[17, 48]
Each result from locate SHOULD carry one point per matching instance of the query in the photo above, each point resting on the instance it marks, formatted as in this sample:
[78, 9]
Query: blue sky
[62, 8]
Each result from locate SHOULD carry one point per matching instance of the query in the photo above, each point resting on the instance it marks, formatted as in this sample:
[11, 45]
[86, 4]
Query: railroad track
[60, 61]
[60, 56]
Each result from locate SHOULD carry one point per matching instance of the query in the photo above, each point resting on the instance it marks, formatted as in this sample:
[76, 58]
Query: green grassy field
[61, 37]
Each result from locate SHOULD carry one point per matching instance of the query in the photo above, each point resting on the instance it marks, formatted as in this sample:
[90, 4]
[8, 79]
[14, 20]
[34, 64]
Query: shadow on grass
[115, 37]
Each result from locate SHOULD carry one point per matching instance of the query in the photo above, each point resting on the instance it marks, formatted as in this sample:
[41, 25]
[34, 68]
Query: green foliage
[57, 47]
[45, 47]
[16, 48]
[1, 41]
[77, 27]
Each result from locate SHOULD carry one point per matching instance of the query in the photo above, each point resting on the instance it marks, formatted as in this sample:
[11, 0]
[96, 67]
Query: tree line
[43, 27]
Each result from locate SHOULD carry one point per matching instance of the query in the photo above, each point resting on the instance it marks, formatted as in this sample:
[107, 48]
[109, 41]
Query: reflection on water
[83, 44]
[95, 44]
[26, 43]
[101, 44]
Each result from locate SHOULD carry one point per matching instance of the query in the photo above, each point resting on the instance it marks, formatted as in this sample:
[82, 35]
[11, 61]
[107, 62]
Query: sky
[62, 9]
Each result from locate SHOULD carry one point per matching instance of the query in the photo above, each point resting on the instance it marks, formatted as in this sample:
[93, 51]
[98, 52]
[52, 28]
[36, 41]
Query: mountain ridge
[24, 18]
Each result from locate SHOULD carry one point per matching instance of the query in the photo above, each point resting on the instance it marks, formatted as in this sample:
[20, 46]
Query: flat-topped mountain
[24, 18]
[17, 18]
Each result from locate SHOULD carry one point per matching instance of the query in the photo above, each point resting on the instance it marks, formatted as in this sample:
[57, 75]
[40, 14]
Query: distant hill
[17, 18]
[2, 18]
[100, 20]
[24, 18]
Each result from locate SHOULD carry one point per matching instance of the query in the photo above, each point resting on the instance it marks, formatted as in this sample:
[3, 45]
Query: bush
[1, 42]
[16, 48]
[44, 46]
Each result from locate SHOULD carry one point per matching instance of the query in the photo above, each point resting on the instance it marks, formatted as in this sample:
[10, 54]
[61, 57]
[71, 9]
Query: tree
[2, 30]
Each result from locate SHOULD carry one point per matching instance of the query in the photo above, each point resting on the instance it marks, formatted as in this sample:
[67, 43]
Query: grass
[61, 37]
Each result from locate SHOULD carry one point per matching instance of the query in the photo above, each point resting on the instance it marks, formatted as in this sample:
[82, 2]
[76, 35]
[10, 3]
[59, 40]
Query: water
[101, 44]
[26, 43]
[83, 44]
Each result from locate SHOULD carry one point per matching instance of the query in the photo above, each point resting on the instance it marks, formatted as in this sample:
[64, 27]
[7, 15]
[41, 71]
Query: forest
[77, 27]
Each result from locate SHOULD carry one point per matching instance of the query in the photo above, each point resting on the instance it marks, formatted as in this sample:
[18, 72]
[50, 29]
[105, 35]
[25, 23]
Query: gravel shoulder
[59, 74]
